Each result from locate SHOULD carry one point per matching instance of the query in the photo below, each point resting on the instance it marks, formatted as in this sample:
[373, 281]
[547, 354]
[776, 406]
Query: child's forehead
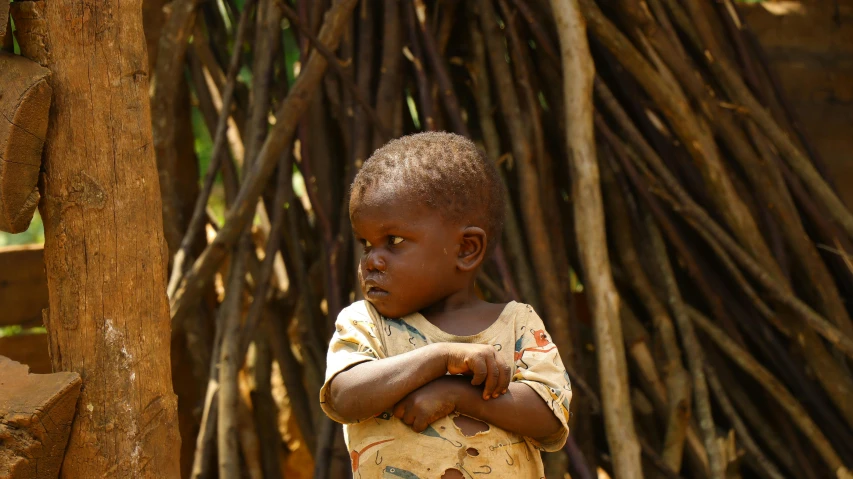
[389, 211]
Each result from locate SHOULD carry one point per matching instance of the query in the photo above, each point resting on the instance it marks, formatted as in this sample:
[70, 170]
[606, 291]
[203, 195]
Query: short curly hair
[444, 170]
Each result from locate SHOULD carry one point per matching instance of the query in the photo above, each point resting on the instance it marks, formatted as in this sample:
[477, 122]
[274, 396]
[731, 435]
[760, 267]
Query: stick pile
[665, 216]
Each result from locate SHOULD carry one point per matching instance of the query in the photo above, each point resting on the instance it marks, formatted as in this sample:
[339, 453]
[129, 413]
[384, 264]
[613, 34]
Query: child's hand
[427, 404]
[483, 362]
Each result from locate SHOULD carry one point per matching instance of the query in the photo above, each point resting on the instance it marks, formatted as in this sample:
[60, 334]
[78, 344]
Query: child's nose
[375, 262]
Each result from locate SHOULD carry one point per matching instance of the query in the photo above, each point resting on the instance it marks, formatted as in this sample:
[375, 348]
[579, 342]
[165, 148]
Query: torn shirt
[385, 447]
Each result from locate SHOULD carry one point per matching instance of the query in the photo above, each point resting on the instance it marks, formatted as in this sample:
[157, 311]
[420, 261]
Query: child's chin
[388, 308]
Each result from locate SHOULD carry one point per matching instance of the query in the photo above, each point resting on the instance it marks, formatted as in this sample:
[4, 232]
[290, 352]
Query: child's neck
[462, 313]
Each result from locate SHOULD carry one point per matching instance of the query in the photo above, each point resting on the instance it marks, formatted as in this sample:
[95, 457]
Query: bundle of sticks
[666, 216]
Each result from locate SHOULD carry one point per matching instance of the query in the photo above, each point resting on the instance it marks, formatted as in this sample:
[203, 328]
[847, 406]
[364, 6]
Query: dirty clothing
[385, 447]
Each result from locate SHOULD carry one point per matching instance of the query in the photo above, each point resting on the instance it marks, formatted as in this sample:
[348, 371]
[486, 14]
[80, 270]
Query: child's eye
[395, 240]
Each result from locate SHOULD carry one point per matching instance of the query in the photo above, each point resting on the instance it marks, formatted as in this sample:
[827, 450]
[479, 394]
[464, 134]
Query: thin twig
[255, 179]
[775, 389]
[197, 221]
[335, 64]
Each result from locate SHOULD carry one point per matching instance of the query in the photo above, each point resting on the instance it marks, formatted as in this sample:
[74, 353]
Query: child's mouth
[375, 292]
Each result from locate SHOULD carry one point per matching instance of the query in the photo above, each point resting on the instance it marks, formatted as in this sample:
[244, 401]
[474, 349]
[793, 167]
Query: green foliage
[33, 235]
[16, 330]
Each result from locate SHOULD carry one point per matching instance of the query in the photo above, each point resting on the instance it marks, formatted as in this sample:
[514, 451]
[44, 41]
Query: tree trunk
[104, 249]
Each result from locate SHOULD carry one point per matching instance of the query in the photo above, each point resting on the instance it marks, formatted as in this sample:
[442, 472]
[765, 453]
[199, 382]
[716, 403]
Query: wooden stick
[698, 216]
[229, 362]
[694, 355]
[389, 100]
[279, 137]
[265, 51]
[414, 54]
[283, 193]
[165, 107]
[798, 161]
[766, 468]
[775, 388]
[481, 87]
[674, 398]
[264, 407]
[324, 49]
[361, 131]
[579, 72]
[555, 306]
[197, 221]
[439, 69]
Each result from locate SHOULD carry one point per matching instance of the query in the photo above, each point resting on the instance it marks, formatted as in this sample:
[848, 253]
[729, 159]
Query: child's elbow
[550, 428]
[343, 403]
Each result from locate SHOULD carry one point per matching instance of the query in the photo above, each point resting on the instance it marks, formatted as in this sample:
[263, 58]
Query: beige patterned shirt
[385, 447]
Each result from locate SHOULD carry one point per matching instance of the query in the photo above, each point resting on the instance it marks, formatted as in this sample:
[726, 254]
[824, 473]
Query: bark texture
[105, 254]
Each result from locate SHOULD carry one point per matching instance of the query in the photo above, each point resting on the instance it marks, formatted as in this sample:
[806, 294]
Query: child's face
[410, 253]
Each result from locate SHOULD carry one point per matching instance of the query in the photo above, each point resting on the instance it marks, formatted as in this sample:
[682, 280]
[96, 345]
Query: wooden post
[105, 254]
[24, 105]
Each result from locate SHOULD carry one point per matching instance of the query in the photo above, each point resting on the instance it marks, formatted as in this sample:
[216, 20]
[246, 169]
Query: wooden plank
[29, 349]
[23, 285]
[24, 108]
[36, 411]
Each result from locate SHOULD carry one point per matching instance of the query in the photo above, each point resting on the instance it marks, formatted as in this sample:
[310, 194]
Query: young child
[429, 380]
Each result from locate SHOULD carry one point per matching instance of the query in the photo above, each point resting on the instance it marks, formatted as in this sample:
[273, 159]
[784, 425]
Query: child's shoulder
[360, 311]
[521, 312]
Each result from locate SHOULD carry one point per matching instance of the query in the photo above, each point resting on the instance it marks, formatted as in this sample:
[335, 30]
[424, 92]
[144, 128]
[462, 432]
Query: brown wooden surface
[29, 349]
[23, 285]
[36, 411]
[105, 255]
[24, 106]
[809, 48]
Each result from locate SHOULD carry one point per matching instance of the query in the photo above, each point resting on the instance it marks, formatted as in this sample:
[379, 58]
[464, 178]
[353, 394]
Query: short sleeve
[355, 341]
[539, 366]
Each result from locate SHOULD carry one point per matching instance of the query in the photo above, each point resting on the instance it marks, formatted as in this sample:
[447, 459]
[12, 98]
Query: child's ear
[472, 249]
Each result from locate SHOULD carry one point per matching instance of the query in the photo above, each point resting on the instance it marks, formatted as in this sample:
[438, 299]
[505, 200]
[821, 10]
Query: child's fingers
[420, 424]
[492, 377]
[400, 409]
[410, 416]
[478, 366]
[505, 377]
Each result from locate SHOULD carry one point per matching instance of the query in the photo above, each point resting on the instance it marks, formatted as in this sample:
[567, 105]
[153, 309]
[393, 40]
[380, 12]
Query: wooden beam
[28, 349]
[24, 107]
[36, 411]
[23, 285]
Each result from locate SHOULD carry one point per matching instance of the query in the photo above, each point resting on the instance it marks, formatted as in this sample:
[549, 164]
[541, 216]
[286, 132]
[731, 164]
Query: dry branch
[286, 119]
[775, 389]
[578, 77]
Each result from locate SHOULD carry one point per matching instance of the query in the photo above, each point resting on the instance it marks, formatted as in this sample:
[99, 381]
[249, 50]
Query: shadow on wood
[23, 285]
[28, 349]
